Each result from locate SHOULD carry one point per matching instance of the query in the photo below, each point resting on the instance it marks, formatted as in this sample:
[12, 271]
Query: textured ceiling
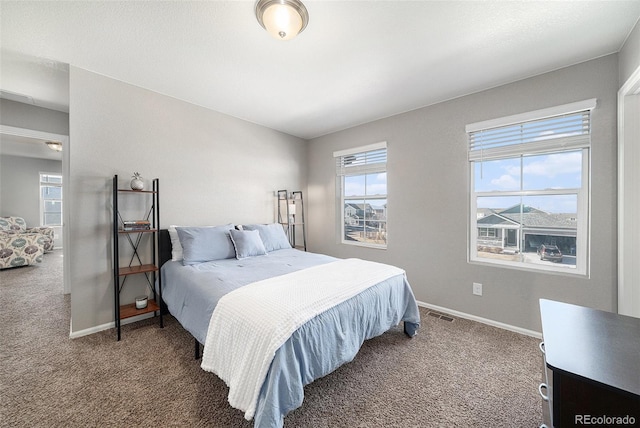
[357, 61]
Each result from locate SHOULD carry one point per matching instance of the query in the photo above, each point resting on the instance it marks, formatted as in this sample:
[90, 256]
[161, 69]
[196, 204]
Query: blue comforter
[317, 348]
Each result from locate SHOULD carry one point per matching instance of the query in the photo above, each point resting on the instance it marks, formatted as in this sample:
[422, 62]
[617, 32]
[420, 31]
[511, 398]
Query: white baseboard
[107, 326]
[481, 320]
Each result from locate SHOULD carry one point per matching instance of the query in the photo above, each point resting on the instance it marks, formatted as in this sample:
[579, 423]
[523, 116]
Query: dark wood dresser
[592, 367]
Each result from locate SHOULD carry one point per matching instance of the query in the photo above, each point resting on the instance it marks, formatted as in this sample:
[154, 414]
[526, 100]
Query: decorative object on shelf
[136, 181]
[283, 19]
[292, 212]
[141, 302]
[54, 145]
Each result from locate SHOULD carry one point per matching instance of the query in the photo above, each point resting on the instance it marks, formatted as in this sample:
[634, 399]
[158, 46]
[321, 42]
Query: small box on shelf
[130, 225]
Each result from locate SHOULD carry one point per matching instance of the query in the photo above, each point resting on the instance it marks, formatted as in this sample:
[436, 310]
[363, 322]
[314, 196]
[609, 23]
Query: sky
[542, 172]
[367, 185]
[554, 171]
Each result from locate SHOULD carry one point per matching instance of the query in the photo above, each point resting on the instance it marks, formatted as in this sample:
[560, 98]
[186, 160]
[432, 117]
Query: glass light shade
[292, 209]
[282, 21]
[54, 145]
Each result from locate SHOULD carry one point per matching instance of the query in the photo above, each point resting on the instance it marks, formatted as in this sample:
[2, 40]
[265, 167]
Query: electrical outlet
[477, 289]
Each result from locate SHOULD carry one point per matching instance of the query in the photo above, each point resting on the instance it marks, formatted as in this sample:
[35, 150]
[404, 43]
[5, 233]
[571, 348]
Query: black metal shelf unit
[134, 236]
[291, 214]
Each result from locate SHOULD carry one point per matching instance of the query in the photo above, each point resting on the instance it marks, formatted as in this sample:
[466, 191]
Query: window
[529, 189]
[50, 199]
[361, 182]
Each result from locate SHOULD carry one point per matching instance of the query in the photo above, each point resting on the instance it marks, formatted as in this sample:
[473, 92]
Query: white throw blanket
[251, 323]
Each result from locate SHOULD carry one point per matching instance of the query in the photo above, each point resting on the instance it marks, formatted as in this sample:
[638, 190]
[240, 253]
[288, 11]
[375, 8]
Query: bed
[200, 295]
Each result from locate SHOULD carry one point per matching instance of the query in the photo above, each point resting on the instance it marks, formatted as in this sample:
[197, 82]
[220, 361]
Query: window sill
[365, 245]
[572, 272]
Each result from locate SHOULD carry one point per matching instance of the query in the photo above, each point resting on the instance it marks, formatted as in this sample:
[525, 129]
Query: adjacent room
[312, 213]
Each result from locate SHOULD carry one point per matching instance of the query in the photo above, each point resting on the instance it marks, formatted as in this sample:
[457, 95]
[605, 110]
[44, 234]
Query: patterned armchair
[21, 249]
[18, 225]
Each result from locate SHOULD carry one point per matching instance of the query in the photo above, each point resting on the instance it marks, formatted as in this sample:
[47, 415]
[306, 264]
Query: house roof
[545, 220]
[530, 217]
[483, 212]
[360, 207]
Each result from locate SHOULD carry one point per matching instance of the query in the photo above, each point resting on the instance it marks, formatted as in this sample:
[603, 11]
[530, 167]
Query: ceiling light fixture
[283, 19]
[54, 145]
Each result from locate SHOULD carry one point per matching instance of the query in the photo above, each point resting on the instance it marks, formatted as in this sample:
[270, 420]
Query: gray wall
[19, 179]
[213, 169]
[629, 55]
[27, 116]
[428, 197]
[20, 186]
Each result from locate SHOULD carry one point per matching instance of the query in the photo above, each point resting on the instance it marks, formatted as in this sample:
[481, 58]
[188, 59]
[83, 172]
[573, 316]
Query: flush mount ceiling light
[283, 19]
[54, 145]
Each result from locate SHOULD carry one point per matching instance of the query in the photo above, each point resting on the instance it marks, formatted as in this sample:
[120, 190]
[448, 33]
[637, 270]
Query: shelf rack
[135, 265]
[291, 215]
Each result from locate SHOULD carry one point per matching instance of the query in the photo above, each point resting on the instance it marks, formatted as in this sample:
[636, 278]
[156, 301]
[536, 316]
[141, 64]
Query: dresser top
[600, 346]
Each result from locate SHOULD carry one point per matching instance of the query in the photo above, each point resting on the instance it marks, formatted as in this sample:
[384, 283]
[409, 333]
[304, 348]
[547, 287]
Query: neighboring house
[350, 215]
[380, 213]
[522, 228]
[359, 211]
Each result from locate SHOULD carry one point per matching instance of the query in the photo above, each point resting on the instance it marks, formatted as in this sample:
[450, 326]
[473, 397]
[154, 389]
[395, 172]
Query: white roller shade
[363, 160]
[559, 132]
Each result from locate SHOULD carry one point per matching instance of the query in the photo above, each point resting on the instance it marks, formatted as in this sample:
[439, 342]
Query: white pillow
[176, 248]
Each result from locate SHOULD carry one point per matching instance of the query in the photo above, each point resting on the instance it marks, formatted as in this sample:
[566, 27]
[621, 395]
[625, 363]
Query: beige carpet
[453, 374]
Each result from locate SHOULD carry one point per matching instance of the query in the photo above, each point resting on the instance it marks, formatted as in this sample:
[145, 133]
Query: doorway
[30, 144]
[628, 199]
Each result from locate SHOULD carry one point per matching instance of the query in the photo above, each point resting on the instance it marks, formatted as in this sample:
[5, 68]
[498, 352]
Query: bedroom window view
[529, 193]
[365, 208]
[51, 199]
[362, 189]
[526, 230]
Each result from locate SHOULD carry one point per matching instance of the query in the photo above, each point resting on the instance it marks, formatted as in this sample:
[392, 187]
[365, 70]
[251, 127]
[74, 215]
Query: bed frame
[164, 246]
[164, 255]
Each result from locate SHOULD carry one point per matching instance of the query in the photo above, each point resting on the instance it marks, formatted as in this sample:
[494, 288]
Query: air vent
[441, 316]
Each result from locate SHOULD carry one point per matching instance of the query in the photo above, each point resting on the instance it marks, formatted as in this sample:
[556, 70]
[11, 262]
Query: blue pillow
[205, 244]
[247, 243]
[272, 235]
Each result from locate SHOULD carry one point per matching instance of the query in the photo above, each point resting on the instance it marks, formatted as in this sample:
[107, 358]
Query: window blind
[364, 160]
[560, 132]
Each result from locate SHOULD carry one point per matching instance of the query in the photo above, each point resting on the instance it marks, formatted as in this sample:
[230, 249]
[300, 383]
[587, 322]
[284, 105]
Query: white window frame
[547, 147]
[363, 169]
[42, 201]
